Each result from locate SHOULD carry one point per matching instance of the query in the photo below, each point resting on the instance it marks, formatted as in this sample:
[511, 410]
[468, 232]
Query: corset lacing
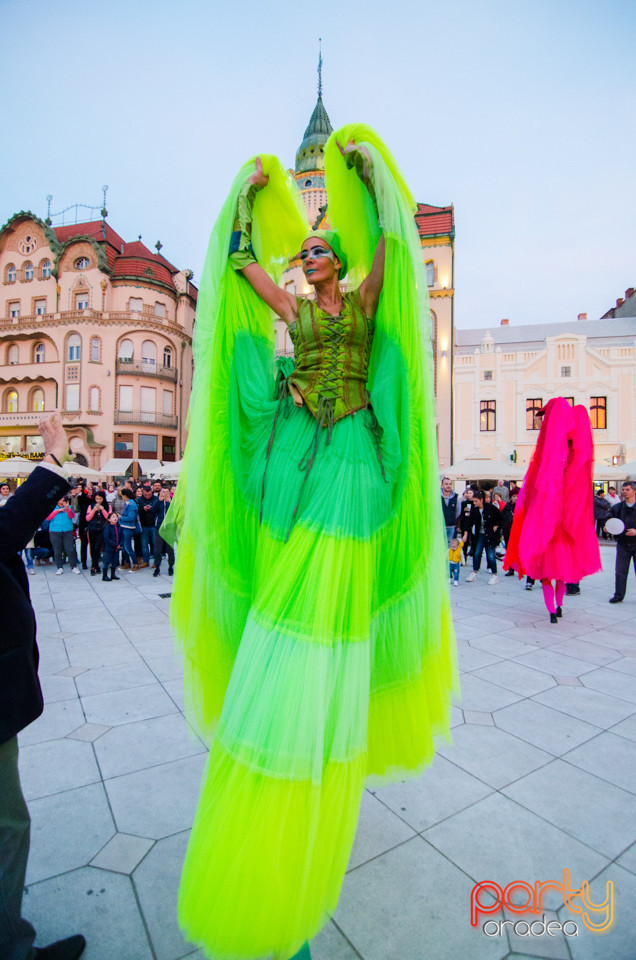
[330, 379]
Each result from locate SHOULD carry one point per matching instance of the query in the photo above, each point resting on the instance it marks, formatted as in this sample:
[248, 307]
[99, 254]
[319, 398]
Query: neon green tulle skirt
[318, 644]
[329, 686]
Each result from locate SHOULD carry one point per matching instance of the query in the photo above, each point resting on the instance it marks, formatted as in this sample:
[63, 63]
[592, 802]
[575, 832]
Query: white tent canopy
[149, 467]
[17, 467]
[167, 470]
[603, 471]
[73, 469]
[116, 466]
[474, 468]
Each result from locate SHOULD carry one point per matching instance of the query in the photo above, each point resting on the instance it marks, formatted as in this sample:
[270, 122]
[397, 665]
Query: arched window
[126, 351]
[12, 401]
[11, 273]
[46, 269]
[167, 357]
[39, 353]
[13, 355]
[430, 273]
[95, 345]
[148, 355]
[74, 348]
[37, 400]
[93, 398]
[82, 263]
[28, 271]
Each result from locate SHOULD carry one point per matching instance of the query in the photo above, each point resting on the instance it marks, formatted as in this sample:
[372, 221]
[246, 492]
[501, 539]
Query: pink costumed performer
[552, 536]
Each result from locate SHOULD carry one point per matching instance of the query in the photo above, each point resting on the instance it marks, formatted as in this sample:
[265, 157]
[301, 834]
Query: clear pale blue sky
[521, 114]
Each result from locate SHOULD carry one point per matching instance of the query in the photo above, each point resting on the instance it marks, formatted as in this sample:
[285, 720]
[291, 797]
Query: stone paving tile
[624, 665]
[157, 883]
[501, 646]
[441, 792]
[89, 732]
[121, 676]
[626, 728]
[89, 654]
[479, 716]
[492, 755]
[605, 680]
[124, 706]
[477, 694]
[58, 720]
[129, 747]
[580, 804]
[551, 662]
[99, 904]
[388, 906]
[628, 859]
[544, 727]
[51, 767]
[56, 687]
[159, 801]
[548, 947]
[471, 658]
[586, 704]
[122, 853]
[608, 757]
[516, 676]
[378, 830]
[498, 838]
[584, 650]
[67, 830]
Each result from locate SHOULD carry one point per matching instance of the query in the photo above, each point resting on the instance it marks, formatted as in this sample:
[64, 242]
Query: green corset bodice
[332, 356]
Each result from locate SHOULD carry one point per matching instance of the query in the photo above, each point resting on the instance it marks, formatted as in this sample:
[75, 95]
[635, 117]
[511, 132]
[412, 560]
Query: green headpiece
[333, 239]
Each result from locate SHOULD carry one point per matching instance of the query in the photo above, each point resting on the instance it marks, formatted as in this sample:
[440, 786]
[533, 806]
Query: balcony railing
[148, 368]
[146, 416]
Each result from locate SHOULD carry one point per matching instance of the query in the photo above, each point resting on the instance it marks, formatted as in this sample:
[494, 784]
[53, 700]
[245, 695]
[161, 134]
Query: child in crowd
[113, 540]
[454, 560]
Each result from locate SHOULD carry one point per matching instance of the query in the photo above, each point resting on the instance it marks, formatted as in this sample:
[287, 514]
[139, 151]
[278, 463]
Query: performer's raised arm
[359, 158]
[243, 258]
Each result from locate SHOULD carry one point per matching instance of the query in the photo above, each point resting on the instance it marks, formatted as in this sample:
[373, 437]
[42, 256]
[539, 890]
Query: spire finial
[320, 66]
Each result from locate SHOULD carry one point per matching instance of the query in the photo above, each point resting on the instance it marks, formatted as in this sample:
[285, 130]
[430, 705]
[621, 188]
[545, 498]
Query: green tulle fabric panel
[321, 662]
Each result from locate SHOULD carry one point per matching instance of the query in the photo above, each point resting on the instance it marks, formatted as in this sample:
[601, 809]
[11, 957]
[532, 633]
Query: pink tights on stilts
[548, 595]
[553, 596]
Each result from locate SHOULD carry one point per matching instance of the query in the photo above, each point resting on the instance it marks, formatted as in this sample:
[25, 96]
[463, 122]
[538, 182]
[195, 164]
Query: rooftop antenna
[104, 211]
[319, 67]
[48, 220]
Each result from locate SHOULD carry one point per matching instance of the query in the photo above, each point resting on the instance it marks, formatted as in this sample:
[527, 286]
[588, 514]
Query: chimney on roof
[582, 316]
[620, 302]
[505, 323]
[629, 293]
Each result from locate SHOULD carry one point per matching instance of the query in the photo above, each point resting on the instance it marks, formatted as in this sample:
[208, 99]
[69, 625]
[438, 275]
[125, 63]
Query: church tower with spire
[309, 170]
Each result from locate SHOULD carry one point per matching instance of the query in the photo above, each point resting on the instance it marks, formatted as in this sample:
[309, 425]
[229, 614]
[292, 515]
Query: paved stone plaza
[540, 777]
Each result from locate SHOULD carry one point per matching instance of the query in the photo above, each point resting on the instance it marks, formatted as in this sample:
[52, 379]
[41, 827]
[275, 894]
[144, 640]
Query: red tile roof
[434, 221]
[124, 259]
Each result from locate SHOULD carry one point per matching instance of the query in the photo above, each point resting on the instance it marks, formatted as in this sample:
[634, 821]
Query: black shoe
[93, 572]
[559, 612]
[529, 586]
[69, 949]
[510, 573]
[107, 579]
[553, 618]
[572, 591]
[170, 571]
[156, 572]
[84, 567]
[115, 578]
[616, 600]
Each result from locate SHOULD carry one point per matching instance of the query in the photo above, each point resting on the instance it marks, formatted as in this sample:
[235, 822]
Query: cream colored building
[99, 329]
[436, 229]
[504, 374]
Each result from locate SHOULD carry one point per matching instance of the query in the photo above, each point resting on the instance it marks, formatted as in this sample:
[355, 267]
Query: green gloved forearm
[241, 251]
[364, 168]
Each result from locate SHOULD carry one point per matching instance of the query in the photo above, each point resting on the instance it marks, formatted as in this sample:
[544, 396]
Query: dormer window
[82, 263]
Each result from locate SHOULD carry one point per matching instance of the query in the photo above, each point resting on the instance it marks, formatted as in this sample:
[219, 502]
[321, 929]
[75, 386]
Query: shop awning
[115, 466]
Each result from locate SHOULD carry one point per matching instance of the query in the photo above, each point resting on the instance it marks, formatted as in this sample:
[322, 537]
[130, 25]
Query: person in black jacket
[159, 510]
[625, 541]
[20, 693]
[486, 534]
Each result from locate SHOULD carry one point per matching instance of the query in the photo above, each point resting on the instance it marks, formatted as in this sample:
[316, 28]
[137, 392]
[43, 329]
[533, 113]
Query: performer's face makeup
[318, 260]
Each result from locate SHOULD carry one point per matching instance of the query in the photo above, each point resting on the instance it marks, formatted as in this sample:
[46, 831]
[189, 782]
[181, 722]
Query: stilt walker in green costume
[310, 596]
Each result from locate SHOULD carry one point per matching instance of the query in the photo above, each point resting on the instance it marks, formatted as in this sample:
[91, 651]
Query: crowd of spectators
[480, 520]
[109, 525]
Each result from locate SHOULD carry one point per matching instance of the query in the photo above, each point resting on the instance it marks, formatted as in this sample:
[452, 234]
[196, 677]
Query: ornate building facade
[436, 229]
[504, 375]
[100, 330]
